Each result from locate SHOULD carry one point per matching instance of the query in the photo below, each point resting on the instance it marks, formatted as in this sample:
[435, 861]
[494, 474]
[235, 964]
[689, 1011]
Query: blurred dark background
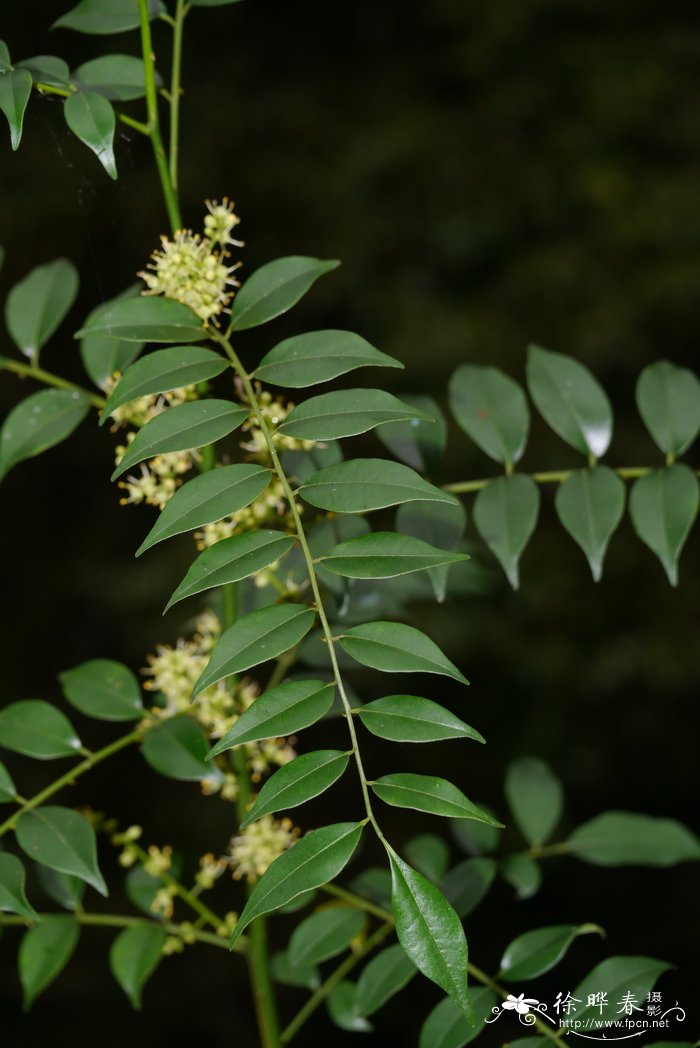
[490, 174]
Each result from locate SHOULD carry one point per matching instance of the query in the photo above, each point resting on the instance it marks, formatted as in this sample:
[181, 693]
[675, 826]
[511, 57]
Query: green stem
[113, 920]
[72, 775]
[181, 891]
[555, 476]
[257, 952]
[319, 996]
[176, 91]
[51, 89]
[171, 202]
[311, 572]
[49, 379]
[544, 851]
[357, 901]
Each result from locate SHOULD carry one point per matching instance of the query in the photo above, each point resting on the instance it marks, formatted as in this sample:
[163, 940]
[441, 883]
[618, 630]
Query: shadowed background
[489, 174]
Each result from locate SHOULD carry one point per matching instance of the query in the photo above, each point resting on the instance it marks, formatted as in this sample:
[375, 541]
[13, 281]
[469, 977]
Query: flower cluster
[191, 267]
[258, 845]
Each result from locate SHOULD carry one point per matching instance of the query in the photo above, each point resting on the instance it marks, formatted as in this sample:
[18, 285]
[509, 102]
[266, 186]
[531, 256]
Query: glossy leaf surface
[316, 859]
[491, 409]
[36, 305]
[279, 711]
[397, 648]
[92, 119]
[346, 412]
[361, 485]
[668, 398]
[162, 371]
[590, 505]
[255, 638]
[295, 783]
[409, 718]
[207, 498]
[39, 422]
[15, 89]
[62, 839]
[428, 793]
[571, 400]
[181, 428]
[275, 288]
[104, 689]
[145, 319]
[663, 508]
[385, 554]
[12, 895]
[505, 514]
[37, 729]
[319, 356]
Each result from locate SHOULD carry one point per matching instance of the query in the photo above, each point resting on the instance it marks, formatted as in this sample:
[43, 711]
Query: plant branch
[486, 980]
[357, 901]
[51, 89]
[113, 920]
[311, 571]
[176, 92]
[69, 778]
[181, 891]
[49, 379]
[556, 476]
[169, 194]
[319, 996]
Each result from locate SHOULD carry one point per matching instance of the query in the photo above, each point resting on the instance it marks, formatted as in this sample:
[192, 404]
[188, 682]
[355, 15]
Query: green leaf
[382, 978]
[617, 976]
[346, 412]
[324, 934]
[663, 507]
[209, 497]
[505, 514]
[92, 119]
[279, 711]
[177, 748]
[668, 398]
[284, 972]
[5, 64]
[134, 956]
[297, 782]
[117, 77]
[145, 319]
[190, 425]
[374, 884]
[275, 288]
[491, 409]
[418, 443]
[255, 638]
[63, 888]
[12, 896]
[621, 838]
[476, 838]
[44, 952]
[162, 371]
[590, 505]
[467, 883]
[141, 887]
[430, 932]
[342, 1009]
[231, 560]
[428, 854]
[15, 89]
[8, 791]
[316, 859]
[104, 689]
[37, 729]
[408, 718]
[365, 484]
[536, 798]
[570, 400]
[440, 523]
[39, 422]
[36, 306]
[385, 554]
[430, 794]
[446, 1027]
[48, 69]
[536, 952]
[523, 874]
[63, 840]
[105, 16]
[102, 355]
[397, 648]
[319, 356]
